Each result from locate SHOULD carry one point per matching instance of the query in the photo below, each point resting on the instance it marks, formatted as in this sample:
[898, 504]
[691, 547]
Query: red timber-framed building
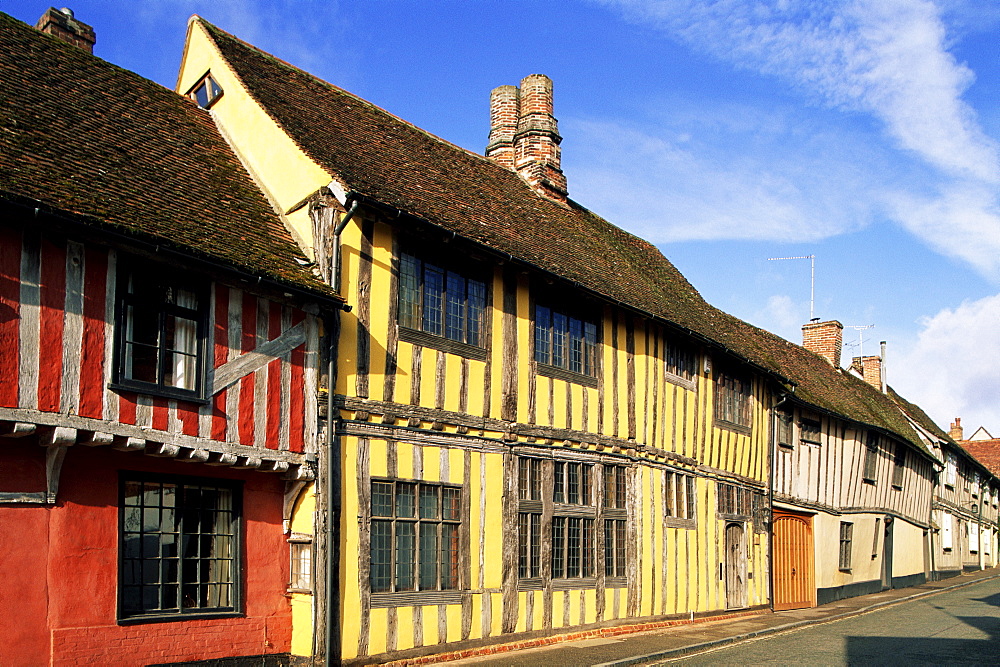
[160, 356]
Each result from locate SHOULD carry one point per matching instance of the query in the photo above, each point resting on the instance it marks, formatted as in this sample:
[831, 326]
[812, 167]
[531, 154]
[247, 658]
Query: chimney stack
[870, 370]
[825, 339]
[524, 135]
[60, 23]
[956, 430]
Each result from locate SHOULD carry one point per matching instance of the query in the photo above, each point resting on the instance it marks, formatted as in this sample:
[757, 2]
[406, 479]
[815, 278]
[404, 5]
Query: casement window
[615, 525]
[950, 469]
[442, 303]
[810, 431]
[898, 465]
[947, 527]
[733, 400]
[975, 484]
[846, 540]
[973, 529]
[680, 361]
[160, 332]
[414, 536]
[529, 518]
[784, 430]
[565, 343]
[300, 563]
[734, 501]
[573, 517]
[206, 92]
[179, 547]
[870, 471]
[679, 497]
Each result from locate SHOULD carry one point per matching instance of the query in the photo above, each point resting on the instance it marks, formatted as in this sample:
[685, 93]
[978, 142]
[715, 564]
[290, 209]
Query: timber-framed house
[160, 348]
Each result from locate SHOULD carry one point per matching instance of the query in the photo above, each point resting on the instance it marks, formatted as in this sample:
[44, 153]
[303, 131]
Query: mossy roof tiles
[389, 160]
[84, 137]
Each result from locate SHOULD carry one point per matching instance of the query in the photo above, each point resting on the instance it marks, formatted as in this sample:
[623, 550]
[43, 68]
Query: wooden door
[794, 587]
[887, 555]
[736, 566]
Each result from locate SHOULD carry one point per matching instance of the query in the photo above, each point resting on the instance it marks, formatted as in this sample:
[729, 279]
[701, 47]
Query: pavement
[664, 644]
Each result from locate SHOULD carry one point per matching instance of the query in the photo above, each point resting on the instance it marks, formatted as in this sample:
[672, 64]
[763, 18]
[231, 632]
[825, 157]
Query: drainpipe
[331, 488]
[881, 368]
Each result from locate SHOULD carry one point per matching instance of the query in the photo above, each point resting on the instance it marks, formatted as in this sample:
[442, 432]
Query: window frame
[417, 521]
[846, 546]
[411, 317]
[300, 551]
[214, 91]
[899, 459]
[675, 355]
[544, 319]
[869, 471]
[810, 431]
[199, 315]
[680, 500]
[733, 400]
[238, 537]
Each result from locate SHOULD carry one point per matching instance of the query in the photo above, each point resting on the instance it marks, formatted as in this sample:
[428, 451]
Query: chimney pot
[61, 23]
[524, 135]
[956, 431]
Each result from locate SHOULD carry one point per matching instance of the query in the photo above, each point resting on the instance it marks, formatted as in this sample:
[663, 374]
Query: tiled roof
[81, 136]
[987, 452]
[389, 160]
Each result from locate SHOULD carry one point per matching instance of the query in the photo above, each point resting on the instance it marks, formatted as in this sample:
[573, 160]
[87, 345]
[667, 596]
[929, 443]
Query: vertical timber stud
[364, 307]
[508, 379]
[508, 564]
[392, 340]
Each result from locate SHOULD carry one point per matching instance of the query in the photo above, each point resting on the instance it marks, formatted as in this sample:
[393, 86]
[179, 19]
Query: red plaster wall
[60, 566]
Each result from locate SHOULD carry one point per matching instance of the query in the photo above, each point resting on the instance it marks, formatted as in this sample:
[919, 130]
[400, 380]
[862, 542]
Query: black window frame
[810, 431]
[415, 318]
[128, 614]
[680, 362]
[869, 473]
[899, 466]
[395, 520]
[131, 283]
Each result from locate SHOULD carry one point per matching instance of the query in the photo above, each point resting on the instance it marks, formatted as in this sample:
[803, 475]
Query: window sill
[441, 343]
[674, 522]
[616, 582]
[866, 480]
[845, 570]
[566, 375]
[730, 426]
[157, 391]
[898, 487]
[680, 381]
[415, 598]
[574, 583]
[171, 618]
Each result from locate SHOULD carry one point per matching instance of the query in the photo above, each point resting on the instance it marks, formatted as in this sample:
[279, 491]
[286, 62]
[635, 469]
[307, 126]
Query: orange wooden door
[794, 586]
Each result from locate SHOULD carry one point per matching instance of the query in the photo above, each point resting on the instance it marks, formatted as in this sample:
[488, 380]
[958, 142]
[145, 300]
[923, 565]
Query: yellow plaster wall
[301, 603]
[282, 170]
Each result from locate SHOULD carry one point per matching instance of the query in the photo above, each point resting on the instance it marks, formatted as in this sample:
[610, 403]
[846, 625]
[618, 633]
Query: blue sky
[866, 133]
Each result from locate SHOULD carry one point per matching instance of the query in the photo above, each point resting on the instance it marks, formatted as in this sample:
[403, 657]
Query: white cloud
[953, 368]
[884, 57]
[963, 221]
[784, 316]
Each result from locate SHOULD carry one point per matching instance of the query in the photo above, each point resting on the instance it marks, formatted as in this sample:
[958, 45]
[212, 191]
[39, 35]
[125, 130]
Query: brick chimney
[825, 339]
[956, 429]
[60, 23]
[524, 135]
[870, 369]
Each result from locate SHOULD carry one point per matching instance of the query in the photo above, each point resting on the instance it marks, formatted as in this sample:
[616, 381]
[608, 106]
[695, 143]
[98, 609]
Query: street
[956, 627]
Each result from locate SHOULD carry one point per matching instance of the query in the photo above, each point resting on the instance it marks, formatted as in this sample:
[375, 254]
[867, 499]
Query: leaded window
[680, 360]
[179, 549]
[414, 536]
[732, 399]
[679, 496]
[565, 342]
[441, 302]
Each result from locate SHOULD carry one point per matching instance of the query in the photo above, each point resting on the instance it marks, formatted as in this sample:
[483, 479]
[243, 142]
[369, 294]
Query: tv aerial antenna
[812, 279]
[860, 328]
